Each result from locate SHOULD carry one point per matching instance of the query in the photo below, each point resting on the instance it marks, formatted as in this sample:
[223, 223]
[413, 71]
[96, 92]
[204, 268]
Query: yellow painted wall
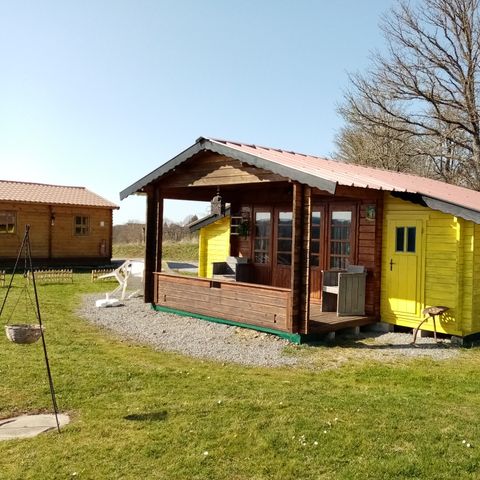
[214, 245]
[451, 262]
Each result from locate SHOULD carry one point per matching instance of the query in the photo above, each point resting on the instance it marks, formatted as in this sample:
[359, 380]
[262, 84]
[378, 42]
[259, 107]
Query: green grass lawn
[175, 251]
[140, 414]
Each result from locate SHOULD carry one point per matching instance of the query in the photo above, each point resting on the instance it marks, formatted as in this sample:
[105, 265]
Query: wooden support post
[158, 256]
[300, 272]
[150, 245]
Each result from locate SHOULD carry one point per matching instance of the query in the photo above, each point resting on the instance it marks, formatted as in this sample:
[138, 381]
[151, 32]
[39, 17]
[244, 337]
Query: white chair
[129, 276]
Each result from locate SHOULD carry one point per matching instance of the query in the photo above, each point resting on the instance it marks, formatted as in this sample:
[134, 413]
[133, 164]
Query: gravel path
[198, 338]
[190, 336]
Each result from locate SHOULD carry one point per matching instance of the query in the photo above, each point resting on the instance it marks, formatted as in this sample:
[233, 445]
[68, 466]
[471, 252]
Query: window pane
[262, 243]
[316, 219]
[411, 238]
[400, 239]
[284, 245]
[341, 218]
[261, 257]
[284, 259]
[314, 261]
[315, 247]
[262, 224]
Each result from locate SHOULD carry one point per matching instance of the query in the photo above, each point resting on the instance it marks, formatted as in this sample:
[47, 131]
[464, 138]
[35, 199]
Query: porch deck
[255, 306]
[326, 322]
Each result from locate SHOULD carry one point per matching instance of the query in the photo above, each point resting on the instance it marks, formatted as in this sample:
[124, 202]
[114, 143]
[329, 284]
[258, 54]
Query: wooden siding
[475, 280]
[451, 264]
[58, 241]
[369, 248]
[267, 306]
[214, 246]
[211, 169]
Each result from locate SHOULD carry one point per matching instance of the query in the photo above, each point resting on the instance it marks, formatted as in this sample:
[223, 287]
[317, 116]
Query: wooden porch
[326, 322]
[245, 304]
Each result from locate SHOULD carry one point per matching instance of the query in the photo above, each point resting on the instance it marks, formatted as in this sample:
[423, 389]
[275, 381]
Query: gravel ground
[198, 338]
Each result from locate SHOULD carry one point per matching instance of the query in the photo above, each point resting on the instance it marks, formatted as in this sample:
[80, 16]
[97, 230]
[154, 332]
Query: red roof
[327, 174]
[364, 177]
[25, 192]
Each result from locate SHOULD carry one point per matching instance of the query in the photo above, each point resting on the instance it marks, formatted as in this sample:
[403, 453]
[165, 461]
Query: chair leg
[434, 329]
[415, 332]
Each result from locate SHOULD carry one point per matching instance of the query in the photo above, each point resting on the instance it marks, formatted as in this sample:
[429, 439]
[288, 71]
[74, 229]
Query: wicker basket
[23, 333]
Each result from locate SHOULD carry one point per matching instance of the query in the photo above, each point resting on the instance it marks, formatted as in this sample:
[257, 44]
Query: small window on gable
[81, 225]
[8, 222]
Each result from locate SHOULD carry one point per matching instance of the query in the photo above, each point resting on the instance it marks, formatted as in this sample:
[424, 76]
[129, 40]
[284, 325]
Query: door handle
[392, 263]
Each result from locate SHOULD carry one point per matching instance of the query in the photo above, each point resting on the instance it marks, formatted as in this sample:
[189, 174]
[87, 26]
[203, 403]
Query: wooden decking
[325, 322]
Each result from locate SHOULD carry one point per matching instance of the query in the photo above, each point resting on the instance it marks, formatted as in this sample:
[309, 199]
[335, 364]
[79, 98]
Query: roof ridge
[263, 147]
[43, 184]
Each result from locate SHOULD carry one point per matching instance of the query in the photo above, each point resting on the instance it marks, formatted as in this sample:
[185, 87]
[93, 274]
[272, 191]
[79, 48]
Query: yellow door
[404, 268]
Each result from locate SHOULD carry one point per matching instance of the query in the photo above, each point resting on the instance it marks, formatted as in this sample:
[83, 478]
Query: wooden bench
[53, 276]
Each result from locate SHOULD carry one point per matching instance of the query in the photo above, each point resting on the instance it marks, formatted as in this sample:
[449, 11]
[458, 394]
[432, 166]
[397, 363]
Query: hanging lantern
[217, 206]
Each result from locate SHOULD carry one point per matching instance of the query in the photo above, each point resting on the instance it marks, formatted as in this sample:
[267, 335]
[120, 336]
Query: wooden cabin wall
[212, 169]
[65, 244]
[369, 250]
[38, 217]
[475, 325]
[58, 241]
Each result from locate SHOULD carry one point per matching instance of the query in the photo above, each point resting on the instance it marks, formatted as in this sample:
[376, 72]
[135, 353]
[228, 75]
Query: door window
[261, 251]
[284, 238]
[340, 239]
[405, 239]
[315, 244]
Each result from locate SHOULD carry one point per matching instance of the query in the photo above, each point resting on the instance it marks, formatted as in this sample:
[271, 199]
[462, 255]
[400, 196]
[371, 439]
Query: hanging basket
[23, 333]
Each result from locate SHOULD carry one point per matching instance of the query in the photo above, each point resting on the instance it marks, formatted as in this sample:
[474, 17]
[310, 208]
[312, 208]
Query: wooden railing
[245, 303]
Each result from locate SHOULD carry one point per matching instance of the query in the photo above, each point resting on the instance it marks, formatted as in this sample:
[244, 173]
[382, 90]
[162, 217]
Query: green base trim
[292, 337]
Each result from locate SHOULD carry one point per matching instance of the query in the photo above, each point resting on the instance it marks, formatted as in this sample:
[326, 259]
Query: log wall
[58, 241]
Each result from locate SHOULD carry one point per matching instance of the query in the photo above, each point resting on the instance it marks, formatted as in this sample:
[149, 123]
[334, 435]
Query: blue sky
[100, 93]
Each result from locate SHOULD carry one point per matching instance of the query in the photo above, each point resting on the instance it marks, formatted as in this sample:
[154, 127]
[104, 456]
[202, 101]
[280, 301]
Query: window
[263, 230]
[316, 240]
[8, 222]
[340, 239]
[405, 239]
[81, 226]
[284, 238]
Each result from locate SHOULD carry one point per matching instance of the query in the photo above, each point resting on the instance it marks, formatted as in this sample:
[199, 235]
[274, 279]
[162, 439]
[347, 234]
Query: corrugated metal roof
[326, 174]
[26, 192]
[364, 177]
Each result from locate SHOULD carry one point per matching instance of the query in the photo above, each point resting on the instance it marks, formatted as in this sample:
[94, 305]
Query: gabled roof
[327, 174]
[26, 192]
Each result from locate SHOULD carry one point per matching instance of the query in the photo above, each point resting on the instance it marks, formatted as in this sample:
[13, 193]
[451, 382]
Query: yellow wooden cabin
[429, 258]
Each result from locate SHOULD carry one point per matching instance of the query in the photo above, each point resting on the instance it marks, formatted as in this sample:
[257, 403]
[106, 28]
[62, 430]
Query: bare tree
[420, 99]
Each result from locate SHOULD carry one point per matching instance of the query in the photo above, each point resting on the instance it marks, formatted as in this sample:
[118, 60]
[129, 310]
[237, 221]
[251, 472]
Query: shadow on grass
[147, 417]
